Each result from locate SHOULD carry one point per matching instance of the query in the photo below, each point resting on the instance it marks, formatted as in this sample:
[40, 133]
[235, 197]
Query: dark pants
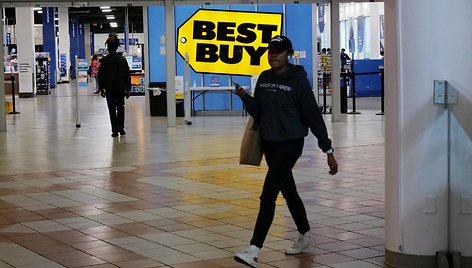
[116, 108]
[281, 158]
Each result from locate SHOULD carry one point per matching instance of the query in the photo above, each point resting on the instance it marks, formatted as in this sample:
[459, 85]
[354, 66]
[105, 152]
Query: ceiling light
[104, 7]
[113, 24]
[40, 12]
[106, 10]
[110, 17]
[37, 8]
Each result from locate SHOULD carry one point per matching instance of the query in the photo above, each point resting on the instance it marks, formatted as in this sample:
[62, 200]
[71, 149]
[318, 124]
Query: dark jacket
[286, 107]
[344, 58]
[114, 75]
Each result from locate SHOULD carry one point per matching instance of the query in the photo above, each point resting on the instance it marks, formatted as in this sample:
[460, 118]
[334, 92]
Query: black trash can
[158, 100]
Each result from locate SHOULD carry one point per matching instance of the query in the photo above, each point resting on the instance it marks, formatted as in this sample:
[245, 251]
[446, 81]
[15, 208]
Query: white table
[200, 91]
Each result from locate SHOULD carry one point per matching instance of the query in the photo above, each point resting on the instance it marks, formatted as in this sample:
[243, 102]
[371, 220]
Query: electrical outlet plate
[466, 205]
[430, 204]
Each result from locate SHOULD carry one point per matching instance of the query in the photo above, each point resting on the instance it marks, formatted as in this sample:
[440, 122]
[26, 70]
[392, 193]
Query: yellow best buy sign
[228, 42]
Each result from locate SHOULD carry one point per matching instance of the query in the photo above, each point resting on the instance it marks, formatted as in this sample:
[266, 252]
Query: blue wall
[295, 15]
[157, 62]
[368, 85]
[49, 42]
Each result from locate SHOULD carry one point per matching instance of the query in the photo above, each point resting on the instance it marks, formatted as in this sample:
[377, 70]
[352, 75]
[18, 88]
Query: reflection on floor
[174, 197]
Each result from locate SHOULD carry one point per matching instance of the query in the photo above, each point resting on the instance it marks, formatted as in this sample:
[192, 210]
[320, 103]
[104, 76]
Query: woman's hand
[240, 91]
[332, 164]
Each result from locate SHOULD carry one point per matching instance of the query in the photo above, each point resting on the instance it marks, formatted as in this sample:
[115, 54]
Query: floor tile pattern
[174, 197]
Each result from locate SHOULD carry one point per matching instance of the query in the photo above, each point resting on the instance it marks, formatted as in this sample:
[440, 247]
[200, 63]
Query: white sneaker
[248, 256]
[303, 242]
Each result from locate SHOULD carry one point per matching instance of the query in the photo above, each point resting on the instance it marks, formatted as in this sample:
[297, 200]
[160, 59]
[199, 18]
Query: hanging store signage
[360, 33]
[82, 67]
[321, 17]
[228, 42]
[8, 38]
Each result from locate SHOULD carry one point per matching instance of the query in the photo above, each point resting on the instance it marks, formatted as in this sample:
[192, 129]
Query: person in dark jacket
[285, 107]
[114, 80]
[344, 58]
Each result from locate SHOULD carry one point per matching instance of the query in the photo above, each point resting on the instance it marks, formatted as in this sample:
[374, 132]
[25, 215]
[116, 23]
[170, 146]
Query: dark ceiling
[96, 18]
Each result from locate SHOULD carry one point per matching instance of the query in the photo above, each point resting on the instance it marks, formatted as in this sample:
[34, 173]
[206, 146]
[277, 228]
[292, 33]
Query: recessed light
[106, 10]
[104, 7]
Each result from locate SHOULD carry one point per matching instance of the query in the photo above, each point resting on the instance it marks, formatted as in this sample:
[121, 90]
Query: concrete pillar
[170, 62]
[375, 10]
[146, 64]
[25, 44]
[3, 124]
[428, 146]
[88, 42]
[327, 27]
[314, 49]
[64, 44]
[335, 63]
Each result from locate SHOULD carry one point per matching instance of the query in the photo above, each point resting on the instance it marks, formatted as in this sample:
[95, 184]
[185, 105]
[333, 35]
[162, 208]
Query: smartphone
[235, 84]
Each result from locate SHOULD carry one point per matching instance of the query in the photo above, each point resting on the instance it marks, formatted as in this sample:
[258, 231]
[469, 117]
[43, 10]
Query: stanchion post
[325, 86]
[343, 89]
[187, 91]
[77, 102]
[353, 87]
[382, 91]
[13, 95]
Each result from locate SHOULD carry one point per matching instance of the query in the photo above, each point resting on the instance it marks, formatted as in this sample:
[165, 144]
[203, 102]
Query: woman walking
[95, 64]
[115, 84]
[285, 107]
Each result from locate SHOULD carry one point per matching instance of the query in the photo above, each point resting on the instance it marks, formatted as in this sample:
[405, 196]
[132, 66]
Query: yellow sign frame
[227, 41]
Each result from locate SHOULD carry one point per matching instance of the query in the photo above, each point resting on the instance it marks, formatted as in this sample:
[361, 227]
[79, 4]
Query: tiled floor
[174, 197]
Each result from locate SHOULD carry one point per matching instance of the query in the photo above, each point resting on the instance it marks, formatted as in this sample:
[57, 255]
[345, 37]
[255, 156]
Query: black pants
[281, 158]
[116, 109]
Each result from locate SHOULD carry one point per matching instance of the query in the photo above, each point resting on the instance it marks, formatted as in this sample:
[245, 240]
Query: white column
[335, 63]
[375, 11]
[421, 48]
[170, 63]
[147, 97]
[25, 44]
[454, 39]
[3, 124]
[88, 54]
[314, 49]
[327, 28]
[64, 40]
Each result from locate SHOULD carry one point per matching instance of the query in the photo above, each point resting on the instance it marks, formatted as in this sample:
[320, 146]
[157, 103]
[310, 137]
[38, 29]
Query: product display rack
[42, 74]
[324, 76]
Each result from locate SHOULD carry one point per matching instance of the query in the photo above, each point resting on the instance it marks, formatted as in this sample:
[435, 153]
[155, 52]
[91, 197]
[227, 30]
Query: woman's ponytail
[112, 42]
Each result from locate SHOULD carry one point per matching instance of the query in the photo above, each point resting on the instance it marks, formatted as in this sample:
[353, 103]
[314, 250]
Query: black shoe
[122, 132]
[114, 134]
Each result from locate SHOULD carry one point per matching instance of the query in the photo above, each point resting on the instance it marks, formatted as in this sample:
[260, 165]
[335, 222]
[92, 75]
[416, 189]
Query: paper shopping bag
[251, 147]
